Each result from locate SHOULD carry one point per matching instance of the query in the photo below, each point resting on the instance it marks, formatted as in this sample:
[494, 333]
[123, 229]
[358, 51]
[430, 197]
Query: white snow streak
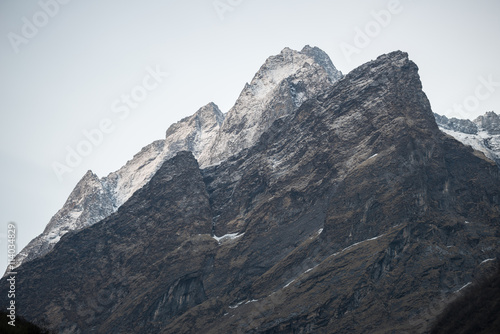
[235, 306]
[357, 243]
[308, 270]
[252, 301]
[230, 236]
[289, 283]
[463, 287]
[487, 260]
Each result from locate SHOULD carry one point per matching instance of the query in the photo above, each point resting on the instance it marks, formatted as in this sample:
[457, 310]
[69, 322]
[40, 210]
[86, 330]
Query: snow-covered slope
[482, 134]
[281, 85]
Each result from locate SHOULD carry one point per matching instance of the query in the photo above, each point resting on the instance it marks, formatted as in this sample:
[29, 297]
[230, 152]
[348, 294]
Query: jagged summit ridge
[282, 84]
[193, 133]
[489, 122]
[482, 134]
[323, 60]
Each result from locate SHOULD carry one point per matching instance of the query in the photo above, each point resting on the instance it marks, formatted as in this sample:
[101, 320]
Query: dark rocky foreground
[475, 311]
[21, 326]
[354, 214]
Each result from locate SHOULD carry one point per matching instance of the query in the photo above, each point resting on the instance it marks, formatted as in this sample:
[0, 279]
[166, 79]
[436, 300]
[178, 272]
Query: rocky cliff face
[282, 84]
[482, 134]
[352, 214]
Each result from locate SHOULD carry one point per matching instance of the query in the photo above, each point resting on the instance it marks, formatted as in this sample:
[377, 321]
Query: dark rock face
[475, 310]
[353, 214]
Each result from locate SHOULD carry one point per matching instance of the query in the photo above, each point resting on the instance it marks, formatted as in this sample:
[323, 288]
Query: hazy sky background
[65, 78]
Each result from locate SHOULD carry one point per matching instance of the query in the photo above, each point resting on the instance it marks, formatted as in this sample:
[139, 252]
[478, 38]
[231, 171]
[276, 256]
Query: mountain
[282, 84]
[482, 134]
[352, 214]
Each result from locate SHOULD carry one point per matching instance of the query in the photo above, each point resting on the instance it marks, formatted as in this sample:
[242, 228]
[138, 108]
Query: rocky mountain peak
[280, 86]
[203, 119]
[88, 183]
[482, 134]
[490, 122]
[89, 175]
[208, 118]
[194, 132]
[454, 124]
[290, 63]
[89, 202]
[324, 60]
[212, 112]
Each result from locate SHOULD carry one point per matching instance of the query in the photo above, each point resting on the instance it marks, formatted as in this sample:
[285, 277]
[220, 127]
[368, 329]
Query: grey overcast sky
[65, 66]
